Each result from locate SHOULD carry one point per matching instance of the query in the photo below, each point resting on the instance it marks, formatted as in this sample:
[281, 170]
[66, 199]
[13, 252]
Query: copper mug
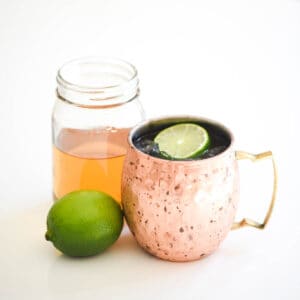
[182, 210]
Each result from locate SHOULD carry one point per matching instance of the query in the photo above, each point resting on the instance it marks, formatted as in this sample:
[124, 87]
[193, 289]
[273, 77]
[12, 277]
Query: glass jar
[96, 106]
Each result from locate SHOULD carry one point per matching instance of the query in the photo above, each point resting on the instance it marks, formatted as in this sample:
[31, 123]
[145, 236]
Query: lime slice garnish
[181, 141]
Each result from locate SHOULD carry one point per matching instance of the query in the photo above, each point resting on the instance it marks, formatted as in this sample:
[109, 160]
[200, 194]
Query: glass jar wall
[97, 103]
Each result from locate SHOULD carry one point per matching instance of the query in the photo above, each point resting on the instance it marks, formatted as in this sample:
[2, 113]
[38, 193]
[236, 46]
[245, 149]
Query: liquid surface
[219, 141]
[89, 159]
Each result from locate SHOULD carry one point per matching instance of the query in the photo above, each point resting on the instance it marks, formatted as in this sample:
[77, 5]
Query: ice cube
[148, 146]
[213, 152]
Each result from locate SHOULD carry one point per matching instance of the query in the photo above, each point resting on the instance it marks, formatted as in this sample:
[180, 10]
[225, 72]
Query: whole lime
[84, 223]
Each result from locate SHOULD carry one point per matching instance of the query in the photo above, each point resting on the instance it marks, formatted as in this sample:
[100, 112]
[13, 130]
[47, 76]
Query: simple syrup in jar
[96, 106]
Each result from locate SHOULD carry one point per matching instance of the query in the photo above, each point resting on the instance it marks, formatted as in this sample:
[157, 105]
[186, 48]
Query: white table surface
[234, 61]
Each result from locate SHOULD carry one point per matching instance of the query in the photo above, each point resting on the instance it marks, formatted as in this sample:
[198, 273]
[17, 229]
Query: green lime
[181, 141]
[84, 223]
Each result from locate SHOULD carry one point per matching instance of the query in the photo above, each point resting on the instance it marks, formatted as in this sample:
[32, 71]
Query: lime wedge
[181, 141]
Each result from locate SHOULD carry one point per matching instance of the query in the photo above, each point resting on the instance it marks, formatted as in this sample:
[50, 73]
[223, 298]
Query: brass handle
[255, 157]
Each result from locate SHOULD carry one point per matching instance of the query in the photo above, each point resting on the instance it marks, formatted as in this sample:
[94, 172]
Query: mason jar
[97, 103]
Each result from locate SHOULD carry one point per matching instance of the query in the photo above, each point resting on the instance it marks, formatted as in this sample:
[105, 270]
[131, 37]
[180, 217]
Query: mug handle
[256, 157]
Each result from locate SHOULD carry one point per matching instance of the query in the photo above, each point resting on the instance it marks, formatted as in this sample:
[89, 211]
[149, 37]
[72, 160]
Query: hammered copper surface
[180, 211]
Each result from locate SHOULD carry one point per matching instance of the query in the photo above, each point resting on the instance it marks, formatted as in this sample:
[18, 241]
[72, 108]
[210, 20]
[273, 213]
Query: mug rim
[180, 116]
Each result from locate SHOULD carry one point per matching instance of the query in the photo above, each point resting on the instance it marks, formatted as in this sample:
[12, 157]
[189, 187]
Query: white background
[234, 61]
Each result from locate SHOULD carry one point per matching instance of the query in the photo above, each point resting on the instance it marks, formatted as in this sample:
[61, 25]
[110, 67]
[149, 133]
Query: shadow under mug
[182, 210]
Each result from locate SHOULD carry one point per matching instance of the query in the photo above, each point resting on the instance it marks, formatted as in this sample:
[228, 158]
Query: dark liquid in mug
[144, 139]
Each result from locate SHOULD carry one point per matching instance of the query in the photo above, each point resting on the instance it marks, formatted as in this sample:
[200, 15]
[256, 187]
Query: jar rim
[94, 59]
[108, 81]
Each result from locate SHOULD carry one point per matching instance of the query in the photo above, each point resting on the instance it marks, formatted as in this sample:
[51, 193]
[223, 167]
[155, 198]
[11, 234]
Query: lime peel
[84, 223]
